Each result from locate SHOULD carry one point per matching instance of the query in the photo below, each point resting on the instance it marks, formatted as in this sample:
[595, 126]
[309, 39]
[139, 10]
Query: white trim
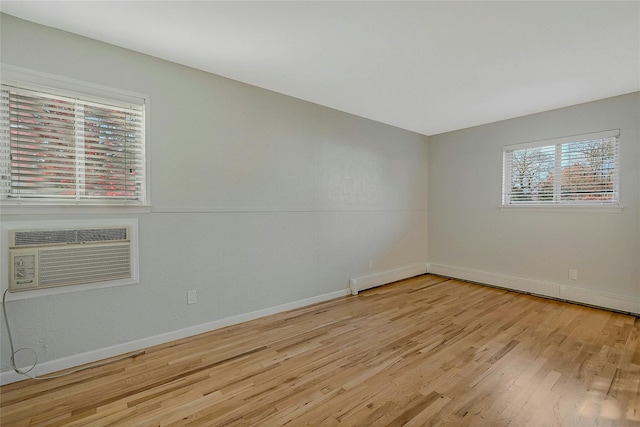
[625, 303]
[37, 293]
[36, 80]
[563, 140]
[607, 300]
[119, 349]
[366, 282]
[566, 208]
[557, 152]
[88, 91]
[72, 209]
[264, 209]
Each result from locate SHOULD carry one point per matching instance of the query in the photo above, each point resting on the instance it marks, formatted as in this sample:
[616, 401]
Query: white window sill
[72, 209]
[563, 208]
[46, 292]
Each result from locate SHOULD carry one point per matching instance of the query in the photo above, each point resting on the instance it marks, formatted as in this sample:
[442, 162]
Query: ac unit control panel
[23, 269]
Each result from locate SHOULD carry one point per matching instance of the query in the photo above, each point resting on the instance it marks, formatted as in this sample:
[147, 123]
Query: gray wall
[258, 200]
[468, 230]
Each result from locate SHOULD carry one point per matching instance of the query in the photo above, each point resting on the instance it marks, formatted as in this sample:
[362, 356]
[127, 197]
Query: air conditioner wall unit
[45, 258]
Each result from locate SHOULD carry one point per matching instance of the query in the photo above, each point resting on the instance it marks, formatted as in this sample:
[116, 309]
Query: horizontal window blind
[580, 170]
[60, 148]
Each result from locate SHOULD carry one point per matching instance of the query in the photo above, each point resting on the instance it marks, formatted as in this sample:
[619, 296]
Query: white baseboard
[608, 300]
[128, 347]
[366, 282]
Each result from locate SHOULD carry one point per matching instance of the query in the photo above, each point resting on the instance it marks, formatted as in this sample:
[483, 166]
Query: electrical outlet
[573, 274]
[192, 297]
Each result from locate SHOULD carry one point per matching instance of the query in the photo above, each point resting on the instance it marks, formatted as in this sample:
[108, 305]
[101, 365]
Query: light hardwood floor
[424, 351]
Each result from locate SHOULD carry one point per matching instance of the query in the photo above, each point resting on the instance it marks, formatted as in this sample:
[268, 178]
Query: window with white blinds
[61, 148]
[578, 170]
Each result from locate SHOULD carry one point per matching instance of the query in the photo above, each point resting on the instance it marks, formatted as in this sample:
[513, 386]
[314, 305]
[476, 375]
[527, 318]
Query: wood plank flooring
[424, 351]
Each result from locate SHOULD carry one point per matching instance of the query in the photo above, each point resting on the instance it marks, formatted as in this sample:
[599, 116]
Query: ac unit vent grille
[44, 237]
[102, 234]
[57, 237]
[84, 264]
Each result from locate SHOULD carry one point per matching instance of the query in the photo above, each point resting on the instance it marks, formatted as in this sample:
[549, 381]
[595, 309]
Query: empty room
[322, 213]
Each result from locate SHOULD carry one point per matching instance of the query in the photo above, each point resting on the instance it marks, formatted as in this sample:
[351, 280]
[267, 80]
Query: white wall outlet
[370, 263]
[192, 297]
[573, 274]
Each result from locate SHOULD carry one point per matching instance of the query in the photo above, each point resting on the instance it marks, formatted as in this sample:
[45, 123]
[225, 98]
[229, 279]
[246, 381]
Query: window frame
[34, 80]
[556, 203]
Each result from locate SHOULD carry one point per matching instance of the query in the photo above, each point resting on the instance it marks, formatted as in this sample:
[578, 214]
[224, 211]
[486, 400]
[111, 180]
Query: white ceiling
[429, 67]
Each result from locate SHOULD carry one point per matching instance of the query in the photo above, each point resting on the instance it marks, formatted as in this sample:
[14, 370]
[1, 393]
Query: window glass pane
[110, 156]
[532, 177]
[588, 170]
[42, 146]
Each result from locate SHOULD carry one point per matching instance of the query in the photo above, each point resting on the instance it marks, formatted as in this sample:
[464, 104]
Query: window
[59, 147]
[579, 170]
